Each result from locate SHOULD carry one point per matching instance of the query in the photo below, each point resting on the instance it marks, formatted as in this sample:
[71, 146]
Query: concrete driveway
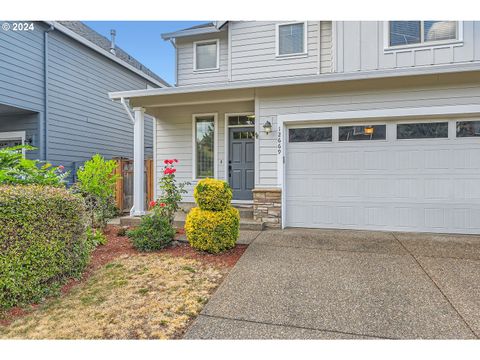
[338, 284]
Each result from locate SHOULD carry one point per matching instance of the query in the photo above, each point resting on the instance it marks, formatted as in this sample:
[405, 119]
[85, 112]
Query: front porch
[212, 135]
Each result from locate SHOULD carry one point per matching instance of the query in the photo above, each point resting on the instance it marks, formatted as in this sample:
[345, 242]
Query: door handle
[229, 170]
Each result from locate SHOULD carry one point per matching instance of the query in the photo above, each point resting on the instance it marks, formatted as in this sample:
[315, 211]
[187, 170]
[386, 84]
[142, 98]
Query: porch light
[368, 130]
[267, 126]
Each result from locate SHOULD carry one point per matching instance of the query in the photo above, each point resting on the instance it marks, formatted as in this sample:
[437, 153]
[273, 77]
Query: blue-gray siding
[22, 122]
[81, 119]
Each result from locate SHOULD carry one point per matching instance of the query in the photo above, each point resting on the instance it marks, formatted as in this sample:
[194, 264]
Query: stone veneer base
[267, 206]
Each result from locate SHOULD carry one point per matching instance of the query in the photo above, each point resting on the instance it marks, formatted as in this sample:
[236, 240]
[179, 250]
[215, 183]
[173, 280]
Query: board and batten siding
[82, 120]
[174, 138]
[360, 46]
[186, 75]
[364, 95]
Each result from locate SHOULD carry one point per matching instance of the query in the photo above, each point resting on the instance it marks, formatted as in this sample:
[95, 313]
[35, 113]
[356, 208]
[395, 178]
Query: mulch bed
[117, 246]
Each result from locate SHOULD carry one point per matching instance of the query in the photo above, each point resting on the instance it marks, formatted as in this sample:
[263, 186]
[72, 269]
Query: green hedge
[42, 241]
[212, 194]
[212, 231]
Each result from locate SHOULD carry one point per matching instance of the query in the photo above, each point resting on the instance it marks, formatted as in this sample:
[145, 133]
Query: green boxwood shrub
[212, 231]
[42, 241]
[212, 194]
[154, 233]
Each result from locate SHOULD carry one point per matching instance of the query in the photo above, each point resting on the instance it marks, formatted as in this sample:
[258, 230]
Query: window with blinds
[291, 39]
[419, 32]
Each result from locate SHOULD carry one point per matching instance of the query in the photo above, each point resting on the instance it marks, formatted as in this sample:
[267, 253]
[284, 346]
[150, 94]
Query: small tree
[96, 182]
[17, 170]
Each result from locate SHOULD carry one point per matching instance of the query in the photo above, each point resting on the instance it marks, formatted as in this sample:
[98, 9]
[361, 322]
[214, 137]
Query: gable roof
[207, 28]
[86, 35]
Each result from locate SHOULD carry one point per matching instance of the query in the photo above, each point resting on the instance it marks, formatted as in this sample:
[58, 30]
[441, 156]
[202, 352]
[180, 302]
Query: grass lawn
[133, 296]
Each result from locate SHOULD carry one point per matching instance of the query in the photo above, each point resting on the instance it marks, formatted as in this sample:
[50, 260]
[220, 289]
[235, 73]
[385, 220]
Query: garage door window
[363, 132]
[310, 134]
[468, 128]
[422, 130]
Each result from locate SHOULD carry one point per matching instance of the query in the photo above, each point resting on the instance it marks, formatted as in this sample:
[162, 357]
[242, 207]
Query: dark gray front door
[241, 162]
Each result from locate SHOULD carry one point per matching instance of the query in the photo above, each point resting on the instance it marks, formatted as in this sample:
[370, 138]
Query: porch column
[138, 208]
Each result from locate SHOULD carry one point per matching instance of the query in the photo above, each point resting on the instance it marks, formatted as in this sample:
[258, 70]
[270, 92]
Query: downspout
[44, 128]
[176, 61]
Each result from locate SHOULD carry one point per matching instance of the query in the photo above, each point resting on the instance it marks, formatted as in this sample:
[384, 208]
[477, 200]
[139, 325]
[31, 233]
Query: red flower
[165, 162]
[152, 203]
[61, 167]
[173, 170]
[170, 162]
[175, 160]
[163, 204]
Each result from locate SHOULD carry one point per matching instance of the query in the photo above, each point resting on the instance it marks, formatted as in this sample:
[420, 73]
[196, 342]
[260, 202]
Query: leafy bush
[153, 233]
[42, 241]
[96, 237]
[96, 183]
[212, 231]
[15, 169]
[171, 192]
[212, 194]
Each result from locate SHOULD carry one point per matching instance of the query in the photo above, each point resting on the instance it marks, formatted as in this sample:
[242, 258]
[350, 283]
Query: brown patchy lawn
[128, 296]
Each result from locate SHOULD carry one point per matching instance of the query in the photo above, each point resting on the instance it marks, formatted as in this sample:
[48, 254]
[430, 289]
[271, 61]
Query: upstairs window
[421, 32]
[206, 54]
[291, 39]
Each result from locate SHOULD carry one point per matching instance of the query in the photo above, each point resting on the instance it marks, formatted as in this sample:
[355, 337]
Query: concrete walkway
[333, 284]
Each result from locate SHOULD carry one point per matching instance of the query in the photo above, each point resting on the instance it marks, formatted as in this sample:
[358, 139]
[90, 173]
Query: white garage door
[416, 176]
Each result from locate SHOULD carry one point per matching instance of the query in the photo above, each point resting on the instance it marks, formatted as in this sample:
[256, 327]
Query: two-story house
[328, 124]
[54, 84]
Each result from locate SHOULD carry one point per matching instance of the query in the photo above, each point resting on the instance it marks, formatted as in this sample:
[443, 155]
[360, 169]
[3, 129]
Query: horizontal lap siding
[21, 68]
[309, 101]
[23, 122]
[174, 137]
[185, 73]
[254, 52]
[82, 119]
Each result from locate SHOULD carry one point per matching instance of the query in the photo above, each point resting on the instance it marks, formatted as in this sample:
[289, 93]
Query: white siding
[365, 95]
[326, 47]
[174, 137]
[185, 73]
[254, 52]
[360, 46]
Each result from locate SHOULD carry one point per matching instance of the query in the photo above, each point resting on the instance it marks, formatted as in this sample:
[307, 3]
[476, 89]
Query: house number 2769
[279, 140]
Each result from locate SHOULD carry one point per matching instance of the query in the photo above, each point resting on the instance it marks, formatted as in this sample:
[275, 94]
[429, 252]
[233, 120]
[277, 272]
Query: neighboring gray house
[54, 84]
[328, 124]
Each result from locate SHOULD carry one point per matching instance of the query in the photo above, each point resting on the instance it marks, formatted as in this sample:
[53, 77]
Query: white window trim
[194, 143]
[277, 40]
[14, 135]
[422, 45]
[195, 43]
[227, 138]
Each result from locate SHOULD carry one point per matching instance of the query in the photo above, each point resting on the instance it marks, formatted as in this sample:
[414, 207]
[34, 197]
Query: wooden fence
[124, 185]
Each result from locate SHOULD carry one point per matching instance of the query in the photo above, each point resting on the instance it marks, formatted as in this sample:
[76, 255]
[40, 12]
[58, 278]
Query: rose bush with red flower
[171, 191]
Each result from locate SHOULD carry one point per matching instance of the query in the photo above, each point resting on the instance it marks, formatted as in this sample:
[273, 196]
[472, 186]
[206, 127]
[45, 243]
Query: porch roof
[245, 90]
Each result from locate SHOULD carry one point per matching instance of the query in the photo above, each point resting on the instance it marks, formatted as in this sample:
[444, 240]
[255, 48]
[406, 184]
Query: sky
[142, 40]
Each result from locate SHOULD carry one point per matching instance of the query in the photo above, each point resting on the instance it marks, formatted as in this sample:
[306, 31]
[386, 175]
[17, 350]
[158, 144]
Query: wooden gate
[124, 185]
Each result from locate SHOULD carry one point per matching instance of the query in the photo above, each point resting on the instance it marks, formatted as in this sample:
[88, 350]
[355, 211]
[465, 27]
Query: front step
[246, 220]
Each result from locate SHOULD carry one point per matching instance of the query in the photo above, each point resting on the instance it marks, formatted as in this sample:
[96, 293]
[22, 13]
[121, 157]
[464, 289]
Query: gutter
[44, 124]
[303, 80]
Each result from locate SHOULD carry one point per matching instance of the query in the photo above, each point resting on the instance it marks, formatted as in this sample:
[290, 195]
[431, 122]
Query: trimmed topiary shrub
[43, 241]
[153, 233]
[212, 194]
[212, 231]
